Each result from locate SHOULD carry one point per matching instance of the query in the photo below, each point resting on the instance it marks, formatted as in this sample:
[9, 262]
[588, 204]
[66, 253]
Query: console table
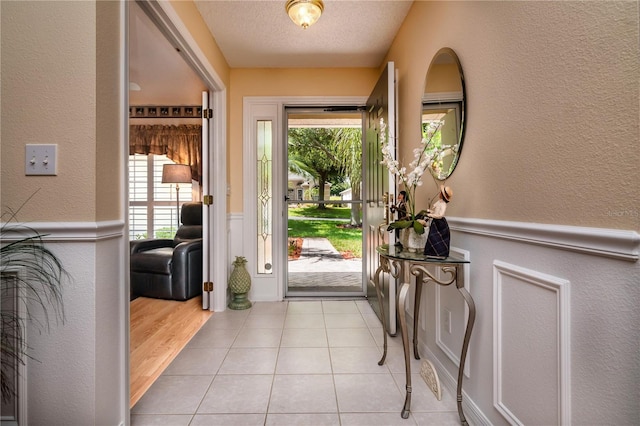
[403, 265]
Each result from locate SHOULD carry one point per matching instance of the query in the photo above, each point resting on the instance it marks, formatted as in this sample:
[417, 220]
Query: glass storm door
[323, 205]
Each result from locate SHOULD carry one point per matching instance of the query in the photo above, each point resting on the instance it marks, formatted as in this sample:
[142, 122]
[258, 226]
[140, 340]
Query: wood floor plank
[159, 330]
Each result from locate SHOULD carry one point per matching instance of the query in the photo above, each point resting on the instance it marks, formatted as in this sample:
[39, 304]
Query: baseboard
[472, 412]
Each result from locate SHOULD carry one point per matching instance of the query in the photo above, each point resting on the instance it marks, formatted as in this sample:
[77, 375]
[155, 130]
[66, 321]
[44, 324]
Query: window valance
[180, 143]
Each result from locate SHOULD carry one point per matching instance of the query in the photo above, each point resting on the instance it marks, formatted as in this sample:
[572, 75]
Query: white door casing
[168, 21]
[270, 287]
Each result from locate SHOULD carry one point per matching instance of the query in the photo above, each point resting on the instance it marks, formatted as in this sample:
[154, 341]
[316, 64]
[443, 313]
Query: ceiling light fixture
[304, 12]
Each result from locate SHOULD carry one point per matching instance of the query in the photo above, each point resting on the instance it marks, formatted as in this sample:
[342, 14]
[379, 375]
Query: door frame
[214, 157]
[271, 288]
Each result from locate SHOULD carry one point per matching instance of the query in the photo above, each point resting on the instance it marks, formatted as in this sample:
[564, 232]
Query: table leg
[376, 284]
[416, 314]
[465, 347]
[404, 290]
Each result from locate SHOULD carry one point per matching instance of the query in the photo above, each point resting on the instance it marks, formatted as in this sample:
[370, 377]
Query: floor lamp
[176, 173]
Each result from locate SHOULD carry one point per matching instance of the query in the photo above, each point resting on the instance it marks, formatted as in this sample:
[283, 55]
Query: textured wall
[49, 97]
[58, 87]
[552, 138]
[553, 118]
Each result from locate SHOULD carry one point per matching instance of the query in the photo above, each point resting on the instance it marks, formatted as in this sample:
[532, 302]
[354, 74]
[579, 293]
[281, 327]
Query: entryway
[323, 205]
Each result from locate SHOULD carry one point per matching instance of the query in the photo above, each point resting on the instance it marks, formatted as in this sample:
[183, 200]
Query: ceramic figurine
[438, 241]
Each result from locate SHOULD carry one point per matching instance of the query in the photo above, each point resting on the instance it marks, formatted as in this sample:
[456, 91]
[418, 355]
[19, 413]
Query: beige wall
[50, 95]
[108, 161]
[192, 19]
[284, 82]
[553, 117]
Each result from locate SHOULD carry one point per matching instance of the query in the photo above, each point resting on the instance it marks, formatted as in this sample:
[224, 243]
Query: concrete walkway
[321, 265]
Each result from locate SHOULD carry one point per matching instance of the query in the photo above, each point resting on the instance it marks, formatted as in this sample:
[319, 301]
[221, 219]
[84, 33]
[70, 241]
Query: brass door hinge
[207, 286]
[207, 113]
[207, 200]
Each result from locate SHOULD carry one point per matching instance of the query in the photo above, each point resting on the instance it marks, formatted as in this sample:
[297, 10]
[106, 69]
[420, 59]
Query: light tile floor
[291, 363]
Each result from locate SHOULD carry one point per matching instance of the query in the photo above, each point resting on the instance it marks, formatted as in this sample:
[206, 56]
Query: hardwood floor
[159, 330]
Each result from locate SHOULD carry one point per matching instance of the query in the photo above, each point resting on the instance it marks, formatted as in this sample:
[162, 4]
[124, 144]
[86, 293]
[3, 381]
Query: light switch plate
[41, 159]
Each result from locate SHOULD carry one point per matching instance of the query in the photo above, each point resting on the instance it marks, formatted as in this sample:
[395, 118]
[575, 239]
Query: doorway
[322, 211]
[155, 32]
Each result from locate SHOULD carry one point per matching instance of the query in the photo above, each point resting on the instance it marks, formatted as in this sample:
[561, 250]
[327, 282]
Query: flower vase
[240, 284]
[412, 241]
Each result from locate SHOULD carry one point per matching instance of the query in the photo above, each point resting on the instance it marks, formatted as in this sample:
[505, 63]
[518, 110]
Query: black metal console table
[404, 265]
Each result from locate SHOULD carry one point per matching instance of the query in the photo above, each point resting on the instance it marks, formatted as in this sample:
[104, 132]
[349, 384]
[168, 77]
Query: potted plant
[30, 275]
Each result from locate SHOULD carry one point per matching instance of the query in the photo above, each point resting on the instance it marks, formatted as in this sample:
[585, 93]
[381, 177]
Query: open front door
[207, 285]
[379, 189]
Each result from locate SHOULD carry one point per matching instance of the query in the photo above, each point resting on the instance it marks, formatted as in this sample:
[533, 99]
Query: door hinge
[207, 113]
[207, 286]
[207, 200]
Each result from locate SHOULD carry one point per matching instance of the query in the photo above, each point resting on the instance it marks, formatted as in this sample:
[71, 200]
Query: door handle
[385, 203]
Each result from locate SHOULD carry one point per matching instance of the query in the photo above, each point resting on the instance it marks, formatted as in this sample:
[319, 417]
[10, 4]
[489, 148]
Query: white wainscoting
[556, 323]
[82, 376]
[15, 412]
[451, 304]
[531, 339]
[261, 289]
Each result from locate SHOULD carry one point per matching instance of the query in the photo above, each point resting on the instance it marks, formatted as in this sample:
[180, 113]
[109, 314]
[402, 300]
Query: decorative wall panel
[451, 316]
[531, 346]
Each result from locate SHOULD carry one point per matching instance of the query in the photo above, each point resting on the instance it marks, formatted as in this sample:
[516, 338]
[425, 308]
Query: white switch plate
[41, 159]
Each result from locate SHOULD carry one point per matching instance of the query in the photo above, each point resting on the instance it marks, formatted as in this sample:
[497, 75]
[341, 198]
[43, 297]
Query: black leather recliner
[170, 269]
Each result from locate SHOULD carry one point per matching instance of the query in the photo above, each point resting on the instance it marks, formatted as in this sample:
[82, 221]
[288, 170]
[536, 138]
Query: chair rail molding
[66, 231]
[613, 243]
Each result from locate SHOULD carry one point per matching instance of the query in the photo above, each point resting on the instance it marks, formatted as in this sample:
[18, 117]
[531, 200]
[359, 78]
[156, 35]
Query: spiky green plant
[33, 273]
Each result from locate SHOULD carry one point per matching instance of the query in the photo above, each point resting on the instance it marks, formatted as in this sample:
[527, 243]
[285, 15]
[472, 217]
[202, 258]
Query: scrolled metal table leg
[402, 297]
[376, 284]
[416, 314]
[465, 347]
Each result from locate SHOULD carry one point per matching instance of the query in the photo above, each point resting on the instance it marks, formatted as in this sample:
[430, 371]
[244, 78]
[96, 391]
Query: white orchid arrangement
[424, 157]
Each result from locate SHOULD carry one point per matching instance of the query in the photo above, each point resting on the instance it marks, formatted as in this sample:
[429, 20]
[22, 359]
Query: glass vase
[412, 241]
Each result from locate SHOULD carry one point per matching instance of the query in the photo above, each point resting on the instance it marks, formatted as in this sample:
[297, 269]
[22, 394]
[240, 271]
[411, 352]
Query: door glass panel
[265, 197]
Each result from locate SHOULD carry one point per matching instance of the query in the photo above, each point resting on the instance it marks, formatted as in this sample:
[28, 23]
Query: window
[153, 212]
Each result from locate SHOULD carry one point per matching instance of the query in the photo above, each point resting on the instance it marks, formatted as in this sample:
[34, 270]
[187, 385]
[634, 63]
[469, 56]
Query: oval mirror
[443, 104]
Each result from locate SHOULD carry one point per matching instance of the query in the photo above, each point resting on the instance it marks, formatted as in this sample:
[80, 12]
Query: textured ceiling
[154, 64]
[254, 34]
[259, 34]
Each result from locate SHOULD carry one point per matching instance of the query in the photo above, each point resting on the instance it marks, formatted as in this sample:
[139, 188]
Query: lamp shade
[304, 12]
[176, 173]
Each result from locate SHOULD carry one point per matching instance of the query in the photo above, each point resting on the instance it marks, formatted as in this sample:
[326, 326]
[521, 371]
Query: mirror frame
[426, 100]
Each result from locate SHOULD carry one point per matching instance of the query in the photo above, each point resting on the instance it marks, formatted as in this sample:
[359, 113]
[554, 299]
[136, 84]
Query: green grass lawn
[314, 211]
[345, 240]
